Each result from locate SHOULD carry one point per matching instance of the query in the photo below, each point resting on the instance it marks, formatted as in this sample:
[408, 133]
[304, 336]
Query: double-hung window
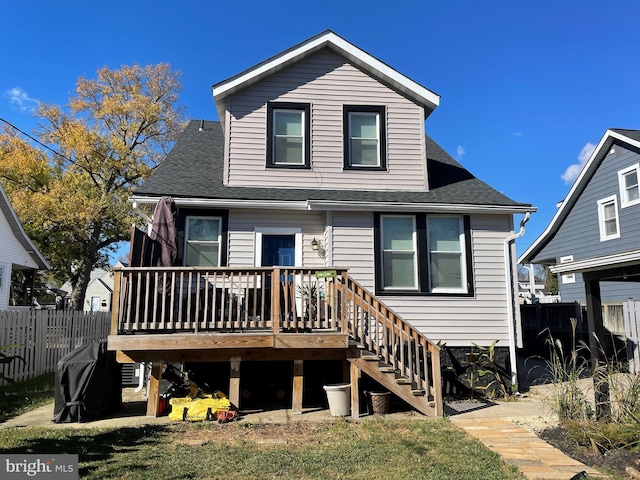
[629, 189]
[364, 137]
[202, 241]
[399, 252]
[288, 135]
[445, 241]
[608, 218]
[423, 254]
[567, 277]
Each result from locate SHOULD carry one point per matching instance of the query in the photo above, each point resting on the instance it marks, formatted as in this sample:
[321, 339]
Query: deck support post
[153, 401]
[298, 381]
[355, 391]
[234, 382]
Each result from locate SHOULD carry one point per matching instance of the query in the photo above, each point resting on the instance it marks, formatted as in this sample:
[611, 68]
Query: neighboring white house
[99, 291]
[17, 251]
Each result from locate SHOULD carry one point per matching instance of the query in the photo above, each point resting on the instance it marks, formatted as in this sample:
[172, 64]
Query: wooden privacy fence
[42, 337]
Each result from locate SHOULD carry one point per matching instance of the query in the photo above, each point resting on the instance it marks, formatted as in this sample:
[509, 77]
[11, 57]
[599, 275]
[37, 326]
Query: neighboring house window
[1, 276]
[202, 241]
[288, 135]
[608, 218]
[629, 190]
[423, 254]
[568, 277]
[364, 137]
[399, 252]
[446, 254]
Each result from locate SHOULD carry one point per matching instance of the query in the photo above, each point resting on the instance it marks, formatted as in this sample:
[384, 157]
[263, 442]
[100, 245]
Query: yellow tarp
[197, 409]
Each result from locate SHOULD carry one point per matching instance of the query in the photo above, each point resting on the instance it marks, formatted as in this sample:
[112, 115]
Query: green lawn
[374, 449]
[17, 398]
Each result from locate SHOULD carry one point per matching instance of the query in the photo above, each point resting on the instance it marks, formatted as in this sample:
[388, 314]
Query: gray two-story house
[593, 240]
[317, 221]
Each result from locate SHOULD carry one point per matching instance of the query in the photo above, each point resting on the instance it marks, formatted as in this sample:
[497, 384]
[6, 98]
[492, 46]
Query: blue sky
[527, 88]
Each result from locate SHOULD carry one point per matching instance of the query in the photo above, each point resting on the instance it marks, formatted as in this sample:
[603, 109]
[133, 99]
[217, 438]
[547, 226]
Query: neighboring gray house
[593, 241]
[99, 291]
[320, 159]
[17, 253]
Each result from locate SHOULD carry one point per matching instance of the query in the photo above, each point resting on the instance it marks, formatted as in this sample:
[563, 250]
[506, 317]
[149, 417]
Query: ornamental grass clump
[568, 400]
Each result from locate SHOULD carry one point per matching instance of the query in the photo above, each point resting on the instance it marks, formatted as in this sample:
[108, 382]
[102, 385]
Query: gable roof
[19, 233]
[327, 39]
[611, 136]
[192, 174]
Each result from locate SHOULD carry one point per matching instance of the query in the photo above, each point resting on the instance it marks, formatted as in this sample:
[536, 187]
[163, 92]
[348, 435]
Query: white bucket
[339, 397]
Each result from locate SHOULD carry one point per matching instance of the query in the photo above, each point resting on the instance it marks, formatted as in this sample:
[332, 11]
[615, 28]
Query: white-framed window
[202, 241]
[364, 137]
[608, 218]
[288, 132]
[567, 277]
[629, 187]
[399, 252]
[445, 240]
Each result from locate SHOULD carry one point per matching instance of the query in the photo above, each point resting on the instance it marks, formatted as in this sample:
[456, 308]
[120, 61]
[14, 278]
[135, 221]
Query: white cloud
[517, 134]
[572, 172]
[460, 152]
[20, 99]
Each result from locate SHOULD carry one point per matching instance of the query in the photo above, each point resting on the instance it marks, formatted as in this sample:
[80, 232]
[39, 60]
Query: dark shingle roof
[194, 169]
[632, 134]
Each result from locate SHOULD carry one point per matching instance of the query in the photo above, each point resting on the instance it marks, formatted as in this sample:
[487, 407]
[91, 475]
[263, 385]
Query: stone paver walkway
[522, 448]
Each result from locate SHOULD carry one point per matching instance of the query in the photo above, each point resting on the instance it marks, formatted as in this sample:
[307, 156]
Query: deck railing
[201, 299]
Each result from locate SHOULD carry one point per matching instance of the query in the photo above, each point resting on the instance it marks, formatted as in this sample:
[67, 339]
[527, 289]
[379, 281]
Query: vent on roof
[201, 129]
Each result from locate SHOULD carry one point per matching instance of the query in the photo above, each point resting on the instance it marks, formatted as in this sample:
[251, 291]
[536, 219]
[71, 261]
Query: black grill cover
[88, 384]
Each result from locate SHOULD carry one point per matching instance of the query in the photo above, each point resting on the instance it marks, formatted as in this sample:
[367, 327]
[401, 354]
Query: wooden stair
[390, 378]
[390, 350]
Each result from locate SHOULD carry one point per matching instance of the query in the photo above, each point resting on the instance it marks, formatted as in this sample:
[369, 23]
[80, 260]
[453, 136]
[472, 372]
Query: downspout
[508, 270]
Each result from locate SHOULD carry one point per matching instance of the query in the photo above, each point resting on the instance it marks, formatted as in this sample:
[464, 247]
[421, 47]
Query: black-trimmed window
[288, 135]
[423, 254]
[365, 145]
[202, 237]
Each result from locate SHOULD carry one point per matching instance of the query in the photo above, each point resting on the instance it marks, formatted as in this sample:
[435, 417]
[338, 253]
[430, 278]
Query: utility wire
[35, 140]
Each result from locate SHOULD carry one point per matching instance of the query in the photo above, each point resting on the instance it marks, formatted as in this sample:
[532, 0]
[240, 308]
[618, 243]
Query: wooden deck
[195, 314]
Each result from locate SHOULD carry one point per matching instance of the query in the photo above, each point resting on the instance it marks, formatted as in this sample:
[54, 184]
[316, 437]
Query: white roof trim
[421, 95]
[568, 202]
[414, 207]
[324, 205]
[19, 233]
[598, 263]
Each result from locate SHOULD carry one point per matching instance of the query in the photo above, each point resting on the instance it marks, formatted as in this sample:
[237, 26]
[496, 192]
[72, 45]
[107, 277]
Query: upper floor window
[629, 190]
[608, 218]
[1, 276]
[288, 135]
[364, 137]
[202, 241]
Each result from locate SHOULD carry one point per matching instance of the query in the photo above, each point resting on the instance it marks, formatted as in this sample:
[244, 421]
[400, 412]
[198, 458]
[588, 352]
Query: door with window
[276, 249]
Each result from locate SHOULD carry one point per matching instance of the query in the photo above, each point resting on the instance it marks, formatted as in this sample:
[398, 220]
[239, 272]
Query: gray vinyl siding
[453, 319]
[579, 234]
[243, 224]
[327, 82]
[352, 245]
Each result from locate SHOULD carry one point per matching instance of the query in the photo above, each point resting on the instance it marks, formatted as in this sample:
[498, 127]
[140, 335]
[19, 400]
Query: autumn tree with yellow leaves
[72, 197]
